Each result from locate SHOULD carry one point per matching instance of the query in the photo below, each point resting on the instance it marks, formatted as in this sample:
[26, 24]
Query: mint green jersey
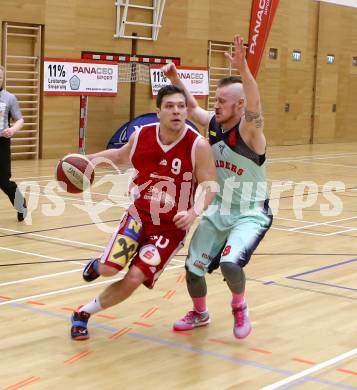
[241, 172]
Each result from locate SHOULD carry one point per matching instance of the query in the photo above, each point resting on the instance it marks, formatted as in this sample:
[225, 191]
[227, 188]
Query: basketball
[74, 173]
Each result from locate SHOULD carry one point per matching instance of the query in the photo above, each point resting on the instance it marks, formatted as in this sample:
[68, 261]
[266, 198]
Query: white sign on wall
[195, 79]
[80, 77]
[348, 3]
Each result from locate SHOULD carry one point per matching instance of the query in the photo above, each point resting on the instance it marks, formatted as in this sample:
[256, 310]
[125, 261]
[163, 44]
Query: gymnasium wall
[73, 26]
[336, 83]
[287, 84]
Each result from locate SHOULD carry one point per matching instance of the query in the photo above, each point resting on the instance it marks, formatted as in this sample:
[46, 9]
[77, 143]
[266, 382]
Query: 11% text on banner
[194, 79]
[80, 77]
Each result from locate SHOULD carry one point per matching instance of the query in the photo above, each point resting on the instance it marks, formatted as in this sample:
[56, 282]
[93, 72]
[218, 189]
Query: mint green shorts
[221, 238]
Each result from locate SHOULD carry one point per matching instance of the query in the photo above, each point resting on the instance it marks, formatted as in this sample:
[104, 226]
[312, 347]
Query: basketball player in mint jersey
[170, 159]
[239, 217]
[9, 110]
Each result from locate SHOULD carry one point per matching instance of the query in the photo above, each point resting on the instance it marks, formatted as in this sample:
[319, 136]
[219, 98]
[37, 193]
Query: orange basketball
[74, 173]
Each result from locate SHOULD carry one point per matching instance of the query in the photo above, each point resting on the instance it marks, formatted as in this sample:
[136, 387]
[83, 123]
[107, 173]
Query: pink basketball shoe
[242, 326]
[192, 320]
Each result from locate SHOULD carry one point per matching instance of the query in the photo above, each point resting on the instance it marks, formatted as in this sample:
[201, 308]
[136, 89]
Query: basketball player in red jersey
[170, 159]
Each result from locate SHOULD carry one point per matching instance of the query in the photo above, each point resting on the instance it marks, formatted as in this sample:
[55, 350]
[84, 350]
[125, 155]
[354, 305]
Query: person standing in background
[9, 110]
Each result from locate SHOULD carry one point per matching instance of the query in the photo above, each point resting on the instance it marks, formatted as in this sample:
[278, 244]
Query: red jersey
[164, 183]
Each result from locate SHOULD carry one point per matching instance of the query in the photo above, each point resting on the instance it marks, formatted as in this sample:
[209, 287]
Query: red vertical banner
[261, 19]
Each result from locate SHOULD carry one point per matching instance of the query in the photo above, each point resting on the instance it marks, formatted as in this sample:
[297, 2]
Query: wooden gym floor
[301, 289]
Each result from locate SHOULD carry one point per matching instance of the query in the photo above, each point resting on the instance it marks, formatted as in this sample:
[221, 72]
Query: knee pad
[196, 285]
[234, 276]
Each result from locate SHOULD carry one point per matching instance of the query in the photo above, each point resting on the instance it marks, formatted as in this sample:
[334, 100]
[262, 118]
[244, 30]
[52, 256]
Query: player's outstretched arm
[195, 112]
[252, 124]
[119, 157]
[250, 86]
[205, 173]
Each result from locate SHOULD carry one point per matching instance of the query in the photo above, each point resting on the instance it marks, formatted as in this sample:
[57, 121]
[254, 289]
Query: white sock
[92, 307]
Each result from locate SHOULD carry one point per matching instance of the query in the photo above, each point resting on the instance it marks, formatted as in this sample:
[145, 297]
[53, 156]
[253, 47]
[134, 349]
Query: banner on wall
[195, 80]
[80, 77]
[348, 3]
[261, 19]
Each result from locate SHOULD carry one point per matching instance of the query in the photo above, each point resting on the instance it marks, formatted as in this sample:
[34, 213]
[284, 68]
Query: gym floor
[301, 290]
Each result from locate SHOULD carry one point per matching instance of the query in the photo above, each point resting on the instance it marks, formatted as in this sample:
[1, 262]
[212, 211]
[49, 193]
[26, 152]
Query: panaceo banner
[80, 77]
[195, 79]
[261, 19]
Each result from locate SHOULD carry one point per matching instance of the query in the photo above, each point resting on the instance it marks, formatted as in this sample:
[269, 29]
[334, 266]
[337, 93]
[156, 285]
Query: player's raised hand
[170, 71]
[238, 60]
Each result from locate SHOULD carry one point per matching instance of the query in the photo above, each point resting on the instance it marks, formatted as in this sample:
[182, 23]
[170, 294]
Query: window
[296, 56]
[330, 58]
[273, 53]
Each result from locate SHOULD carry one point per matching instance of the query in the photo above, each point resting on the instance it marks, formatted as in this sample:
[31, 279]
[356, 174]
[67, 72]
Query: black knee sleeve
[196, 285]
[234, 276]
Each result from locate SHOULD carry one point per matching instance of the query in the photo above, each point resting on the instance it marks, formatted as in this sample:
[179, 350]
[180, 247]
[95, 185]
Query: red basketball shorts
[148, 248]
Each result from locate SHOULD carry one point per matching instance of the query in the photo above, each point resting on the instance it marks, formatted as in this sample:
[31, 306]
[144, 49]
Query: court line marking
[276, 183]
[48, 196]
[294, 220]
[40, 277]
[57, 292]
[326, 164]
[297, 277]
[41, 256]
[326, 285]
[340, 232]
[299, 232]
[274, 159]
[23, 383]
[54, 238]
[311, 157]
[181, 262]
[70, 289]
[312, 224]
[37, 255]
[325, 223]
[66, 272]
[185, 347]
[311, 370]
[290, 230]
[120, 197]
[98, 174]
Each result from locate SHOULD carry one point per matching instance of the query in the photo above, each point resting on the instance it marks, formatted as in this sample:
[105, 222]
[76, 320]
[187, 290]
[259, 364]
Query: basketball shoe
[242, 326]
[191, 320]
[90, 271]
[79, 320]
[21, 215]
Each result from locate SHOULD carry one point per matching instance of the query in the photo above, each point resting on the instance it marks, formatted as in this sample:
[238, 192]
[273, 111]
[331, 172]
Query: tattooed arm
[256, 118]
